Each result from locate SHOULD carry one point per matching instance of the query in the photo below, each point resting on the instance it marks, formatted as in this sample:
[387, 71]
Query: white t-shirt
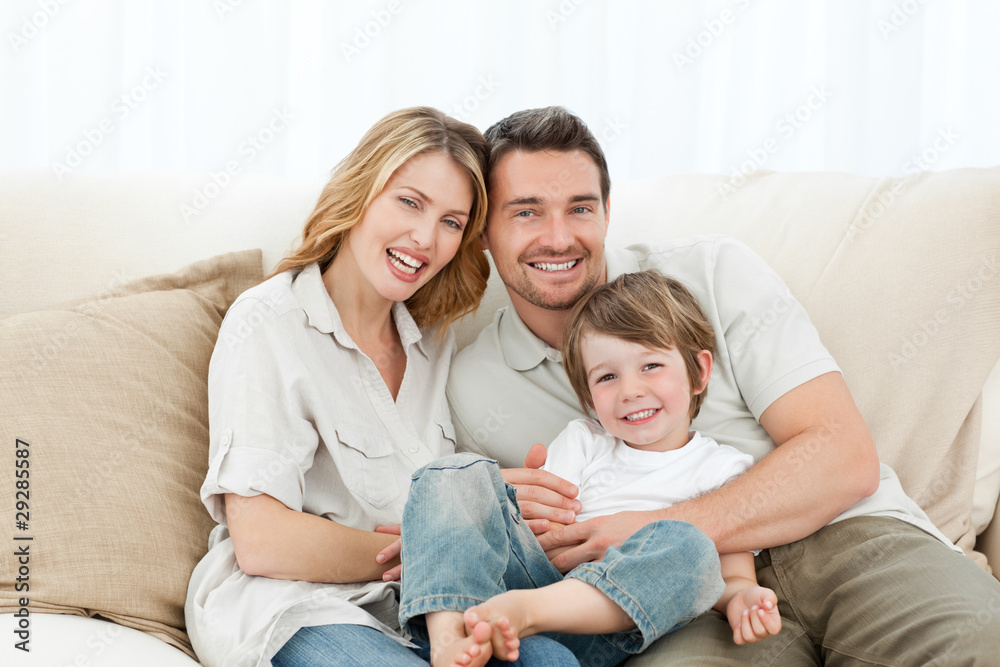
[298, 412]
[614, 477]
[508, 389]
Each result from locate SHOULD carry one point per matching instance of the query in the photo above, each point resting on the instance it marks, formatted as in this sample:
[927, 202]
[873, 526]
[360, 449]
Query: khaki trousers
[863, 591]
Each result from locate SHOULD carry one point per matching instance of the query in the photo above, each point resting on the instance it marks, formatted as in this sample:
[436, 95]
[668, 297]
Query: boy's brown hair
[647, 308]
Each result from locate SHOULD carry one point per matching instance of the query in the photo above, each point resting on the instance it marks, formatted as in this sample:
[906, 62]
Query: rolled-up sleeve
[263, 438]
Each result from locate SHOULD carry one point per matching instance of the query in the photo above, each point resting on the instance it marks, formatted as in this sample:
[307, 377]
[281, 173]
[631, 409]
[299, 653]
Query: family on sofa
[333, 383]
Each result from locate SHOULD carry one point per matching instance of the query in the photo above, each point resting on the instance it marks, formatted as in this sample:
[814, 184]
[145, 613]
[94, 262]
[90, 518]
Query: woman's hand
[389, 553]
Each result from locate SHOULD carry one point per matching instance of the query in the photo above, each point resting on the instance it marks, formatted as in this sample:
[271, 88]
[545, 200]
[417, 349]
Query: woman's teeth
[404, 263]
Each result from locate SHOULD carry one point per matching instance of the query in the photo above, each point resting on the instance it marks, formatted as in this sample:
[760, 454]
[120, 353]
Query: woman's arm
[273, 541]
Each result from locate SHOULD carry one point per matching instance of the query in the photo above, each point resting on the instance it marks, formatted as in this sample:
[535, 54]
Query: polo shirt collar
[522, 350]
[322, 314]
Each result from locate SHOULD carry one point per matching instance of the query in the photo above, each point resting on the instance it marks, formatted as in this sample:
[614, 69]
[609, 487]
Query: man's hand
[542, 496]
[568, 546]
[390, 552]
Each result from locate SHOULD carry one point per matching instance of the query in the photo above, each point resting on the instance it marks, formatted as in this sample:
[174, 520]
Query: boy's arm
[751, 609]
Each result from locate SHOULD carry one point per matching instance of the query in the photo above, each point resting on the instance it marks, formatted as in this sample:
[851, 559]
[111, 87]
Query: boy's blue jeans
[464, 541]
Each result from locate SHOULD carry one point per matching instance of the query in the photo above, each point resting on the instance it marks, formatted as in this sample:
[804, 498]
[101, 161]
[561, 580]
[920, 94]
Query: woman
[326, 391]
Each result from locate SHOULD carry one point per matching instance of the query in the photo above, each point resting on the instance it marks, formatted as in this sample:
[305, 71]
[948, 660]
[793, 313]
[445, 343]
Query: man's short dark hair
[545, 129]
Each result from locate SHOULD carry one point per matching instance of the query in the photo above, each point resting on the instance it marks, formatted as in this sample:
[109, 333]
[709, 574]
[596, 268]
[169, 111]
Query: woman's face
[413, 227]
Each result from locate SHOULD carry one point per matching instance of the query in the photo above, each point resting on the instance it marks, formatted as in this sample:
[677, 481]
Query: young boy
[638, 353]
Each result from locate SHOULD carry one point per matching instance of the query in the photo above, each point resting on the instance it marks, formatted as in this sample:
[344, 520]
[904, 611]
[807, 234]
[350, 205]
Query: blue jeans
[464, 541]
[361, 646]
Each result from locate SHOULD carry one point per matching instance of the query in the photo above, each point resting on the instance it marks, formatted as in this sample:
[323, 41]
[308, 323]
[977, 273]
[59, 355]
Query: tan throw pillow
[107, 397]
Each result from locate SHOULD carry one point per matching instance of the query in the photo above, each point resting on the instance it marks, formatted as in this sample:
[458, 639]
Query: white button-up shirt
[297, 411]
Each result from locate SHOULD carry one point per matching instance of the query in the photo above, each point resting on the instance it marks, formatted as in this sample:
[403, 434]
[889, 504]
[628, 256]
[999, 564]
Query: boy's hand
[753, 614]
[542, 496]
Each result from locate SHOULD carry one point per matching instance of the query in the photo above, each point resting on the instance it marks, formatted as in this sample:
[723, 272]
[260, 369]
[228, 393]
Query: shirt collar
[310, 292]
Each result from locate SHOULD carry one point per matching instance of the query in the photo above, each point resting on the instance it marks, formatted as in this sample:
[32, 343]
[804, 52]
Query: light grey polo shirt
[508, 390]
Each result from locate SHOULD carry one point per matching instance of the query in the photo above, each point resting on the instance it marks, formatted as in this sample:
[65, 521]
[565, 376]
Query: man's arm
[824, 463]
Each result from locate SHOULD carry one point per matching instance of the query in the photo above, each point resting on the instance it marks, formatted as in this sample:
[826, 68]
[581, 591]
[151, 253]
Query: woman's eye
[454, 224]
[409, 202]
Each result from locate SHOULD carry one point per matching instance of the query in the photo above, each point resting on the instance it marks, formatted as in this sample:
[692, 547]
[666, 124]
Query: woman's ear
[705, 364]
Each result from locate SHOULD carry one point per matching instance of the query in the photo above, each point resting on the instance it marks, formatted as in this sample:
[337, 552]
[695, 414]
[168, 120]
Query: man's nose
[557, 234]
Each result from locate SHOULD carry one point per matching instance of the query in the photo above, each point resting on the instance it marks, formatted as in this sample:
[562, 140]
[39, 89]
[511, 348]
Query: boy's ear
[705, 364]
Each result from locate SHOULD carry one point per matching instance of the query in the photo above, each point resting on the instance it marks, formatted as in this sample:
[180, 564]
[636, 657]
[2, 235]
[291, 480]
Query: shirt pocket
[368, 465]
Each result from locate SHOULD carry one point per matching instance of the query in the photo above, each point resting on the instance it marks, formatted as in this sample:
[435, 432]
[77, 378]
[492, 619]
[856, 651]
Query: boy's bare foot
[508, 617]
[455, 645]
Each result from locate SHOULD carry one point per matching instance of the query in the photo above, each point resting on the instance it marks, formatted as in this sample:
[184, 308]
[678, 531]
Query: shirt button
[226, 439]
[414, 450]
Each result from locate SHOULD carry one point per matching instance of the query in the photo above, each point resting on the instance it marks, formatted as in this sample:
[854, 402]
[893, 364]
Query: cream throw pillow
[111, 395]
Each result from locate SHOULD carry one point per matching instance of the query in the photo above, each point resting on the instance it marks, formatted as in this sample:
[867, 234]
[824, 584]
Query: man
[864, 576]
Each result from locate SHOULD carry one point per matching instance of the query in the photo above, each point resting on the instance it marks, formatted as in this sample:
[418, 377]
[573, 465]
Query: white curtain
[288, 86]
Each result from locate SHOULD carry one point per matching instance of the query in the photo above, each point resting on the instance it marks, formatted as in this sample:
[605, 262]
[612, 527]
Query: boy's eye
[608, 376]
[650, 366]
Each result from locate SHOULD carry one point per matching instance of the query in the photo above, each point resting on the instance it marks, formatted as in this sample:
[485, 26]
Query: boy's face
[640, 395]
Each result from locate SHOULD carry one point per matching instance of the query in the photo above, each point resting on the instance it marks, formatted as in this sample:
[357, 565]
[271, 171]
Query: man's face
[546, 227]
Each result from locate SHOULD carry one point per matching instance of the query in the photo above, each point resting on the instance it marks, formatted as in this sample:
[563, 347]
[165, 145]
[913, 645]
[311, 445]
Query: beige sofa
[107, 395]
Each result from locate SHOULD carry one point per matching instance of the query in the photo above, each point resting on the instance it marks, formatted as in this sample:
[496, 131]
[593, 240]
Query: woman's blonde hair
[363, 174]
[647, 308]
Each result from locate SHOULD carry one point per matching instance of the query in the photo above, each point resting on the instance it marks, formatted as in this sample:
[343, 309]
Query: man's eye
[523, 214]
[581, 209]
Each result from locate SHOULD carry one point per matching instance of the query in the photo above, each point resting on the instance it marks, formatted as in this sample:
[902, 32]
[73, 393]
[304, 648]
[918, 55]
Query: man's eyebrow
[523, 201]
[576, 199]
